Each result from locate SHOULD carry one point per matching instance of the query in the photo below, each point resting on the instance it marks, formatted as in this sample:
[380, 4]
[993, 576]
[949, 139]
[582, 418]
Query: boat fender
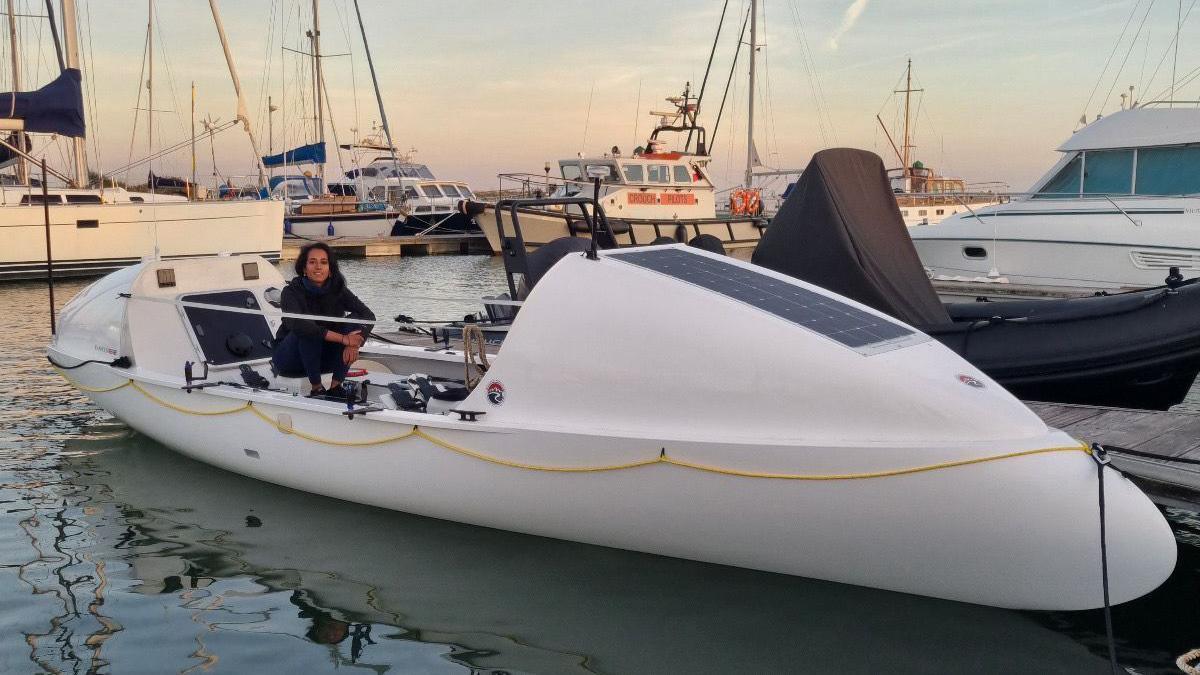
[681, 235]
[471, 208]
[329, 229]
[707, 242]
[662, 240]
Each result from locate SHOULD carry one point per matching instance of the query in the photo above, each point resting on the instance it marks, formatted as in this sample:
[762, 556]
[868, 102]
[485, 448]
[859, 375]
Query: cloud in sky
[849, 18]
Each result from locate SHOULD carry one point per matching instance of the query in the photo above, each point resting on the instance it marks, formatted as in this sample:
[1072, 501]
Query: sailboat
[79, 230]
[924, 196]
[388, 194]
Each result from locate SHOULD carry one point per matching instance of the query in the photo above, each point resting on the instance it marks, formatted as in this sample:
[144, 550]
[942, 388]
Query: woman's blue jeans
[311, 355]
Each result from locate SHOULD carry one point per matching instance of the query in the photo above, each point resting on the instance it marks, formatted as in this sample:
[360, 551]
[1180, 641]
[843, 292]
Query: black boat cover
[841, 229]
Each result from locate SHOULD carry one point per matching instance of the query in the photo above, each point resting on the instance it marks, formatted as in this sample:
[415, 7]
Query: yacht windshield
[1168, 171]
[1066, 184]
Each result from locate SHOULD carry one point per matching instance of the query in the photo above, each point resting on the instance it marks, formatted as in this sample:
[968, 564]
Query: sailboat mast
[750, 116]
[907, 104]
[320, 80]
[22, 167]
[387, 131]
[150, 89]
[71, 35]
[242, 115]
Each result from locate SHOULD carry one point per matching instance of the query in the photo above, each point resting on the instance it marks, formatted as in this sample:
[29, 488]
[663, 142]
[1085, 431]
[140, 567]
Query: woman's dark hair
[335, 273]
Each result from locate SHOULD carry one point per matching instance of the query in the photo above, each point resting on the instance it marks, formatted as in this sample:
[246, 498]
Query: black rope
[707, 69]
[1100, 455]
[1151, 455]
[119, 362]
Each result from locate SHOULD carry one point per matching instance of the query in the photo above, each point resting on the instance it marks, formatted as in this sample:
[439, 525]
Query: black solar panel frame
[826, 316]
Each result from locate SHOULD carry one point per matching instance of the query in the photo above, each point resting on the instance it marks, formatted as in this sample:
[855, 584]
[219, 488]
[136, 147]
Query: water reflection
[358, 581]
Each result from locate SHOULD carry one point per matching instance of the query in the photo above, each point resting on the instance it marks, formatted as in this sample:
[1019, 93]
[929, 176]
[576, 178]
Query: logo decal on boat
[970, 381]
[495, 392]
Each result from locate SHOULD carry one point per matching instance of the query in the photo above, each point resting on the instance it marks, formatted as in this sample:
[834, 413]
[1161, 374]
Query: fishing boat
[1119, 209]
[651, 194]
[81, 230]
[845, 446]
[842, 229]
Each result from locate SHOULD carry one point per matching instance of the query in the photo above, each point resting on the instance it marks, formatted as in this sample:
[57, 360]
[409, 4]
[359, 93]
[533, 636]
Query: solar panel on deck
[821, 314]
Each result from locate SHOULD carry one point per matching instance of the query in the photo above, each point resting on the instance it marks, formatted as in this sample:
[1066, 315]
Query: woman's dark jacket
[336, 301]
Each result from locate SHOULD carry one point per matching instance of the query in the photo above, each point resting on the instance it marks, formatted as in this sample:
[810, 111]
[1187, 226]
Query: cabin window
[923, 212]
[659, 173]
[37, 199]
[975, 252]
[941, 212]
[613, 176]
[1108, 172]
[137, 200]
[450, 191]
[1065, 183]
[431, 191]
[1168, 171]
[466, 192]
[682, 175]
[83, 199]
[343, 190]
[570, 171]
[370, 172]
[634, 173]
[410, 192]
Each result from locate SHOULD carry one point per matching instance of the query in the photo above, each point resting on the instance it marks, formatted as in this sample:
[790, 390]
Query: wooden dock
[364, 247]
[1168, 433]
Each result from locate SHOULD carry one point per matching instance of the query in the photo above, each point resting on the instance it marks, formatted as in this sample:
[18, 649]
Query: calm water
[118, 556]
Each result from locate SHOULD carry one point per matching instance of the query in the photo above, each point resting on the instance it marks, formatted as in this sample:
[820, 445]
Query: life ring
[754, 205]
[737, 202]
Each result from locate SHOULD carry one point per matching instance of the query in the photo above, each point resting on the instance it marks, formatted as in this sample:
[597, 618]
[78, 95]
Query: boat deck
[1168, 433]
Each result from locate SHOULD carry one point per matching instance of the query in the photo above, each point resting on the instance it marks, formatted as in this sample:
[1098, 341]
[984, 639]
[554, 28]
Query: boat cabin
[1146, 151]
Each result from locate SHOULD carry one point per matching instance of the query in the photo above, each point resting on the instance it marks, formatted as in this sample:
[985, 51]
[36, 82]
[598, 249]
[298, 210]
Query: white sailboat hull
[93, 239]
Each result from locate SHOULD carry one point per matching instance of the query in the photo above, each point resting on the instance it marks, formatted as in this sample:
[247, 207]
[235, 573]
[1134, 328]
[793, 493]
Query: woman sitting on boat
[315, 347]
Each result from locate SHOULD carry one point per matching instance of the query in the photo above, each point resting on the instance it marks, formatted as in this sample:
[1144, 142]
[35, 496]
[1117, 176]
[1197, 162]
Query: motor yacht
[1118, 211]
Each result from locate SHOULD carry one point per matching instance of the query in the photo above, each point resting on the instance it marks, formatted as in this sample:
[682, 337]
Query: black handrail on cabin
[513, 248]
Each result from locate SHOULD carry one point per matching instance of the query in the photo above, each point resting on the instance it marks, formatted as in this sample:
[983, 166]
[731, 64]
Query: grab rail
[513, 248]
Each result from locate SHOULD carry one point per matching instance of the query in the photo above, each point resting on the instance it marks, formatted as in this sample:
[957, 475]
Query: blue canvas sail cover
[56, 108]
[313, 153]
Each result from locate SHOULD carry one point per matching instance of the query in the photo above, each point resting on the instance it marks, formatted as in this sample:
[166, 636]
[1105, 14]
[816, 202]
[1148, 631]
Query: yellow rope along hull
[662, 458]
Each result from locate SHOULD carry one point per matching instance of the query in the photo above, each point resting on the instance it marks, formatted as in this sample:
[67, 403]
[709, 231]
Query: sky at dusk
[483, 87]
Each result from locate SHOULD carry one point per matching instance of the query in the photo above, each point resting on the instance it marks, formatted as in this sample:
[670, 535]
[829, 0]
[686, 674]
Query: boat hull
[739, 236]
[975, 533]
[95, 239]
[1066, 245]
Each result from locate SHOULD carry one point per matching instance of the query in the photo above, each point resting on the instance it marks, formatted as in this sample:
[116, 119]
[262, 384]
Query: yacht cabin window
[1108, 172]
[659, 173]
[450, 191]
[466, 192]
[1066, 184]
[431, 191]
[634, 173]
[1168, 171]
[682, 175]
[570, 171]
[370, 172]
[410, 192]
[1143, 171]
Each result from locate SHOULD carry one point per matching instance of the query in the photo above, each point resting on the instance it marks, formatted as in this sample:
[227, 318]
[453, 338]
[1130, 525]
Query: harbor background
[117, 555]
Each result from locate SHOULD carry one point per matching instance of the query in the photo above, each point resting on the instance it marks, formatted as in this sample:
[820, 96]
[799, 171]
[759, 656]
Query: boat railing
[945, 198]
[536, 186]
[512, 247]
